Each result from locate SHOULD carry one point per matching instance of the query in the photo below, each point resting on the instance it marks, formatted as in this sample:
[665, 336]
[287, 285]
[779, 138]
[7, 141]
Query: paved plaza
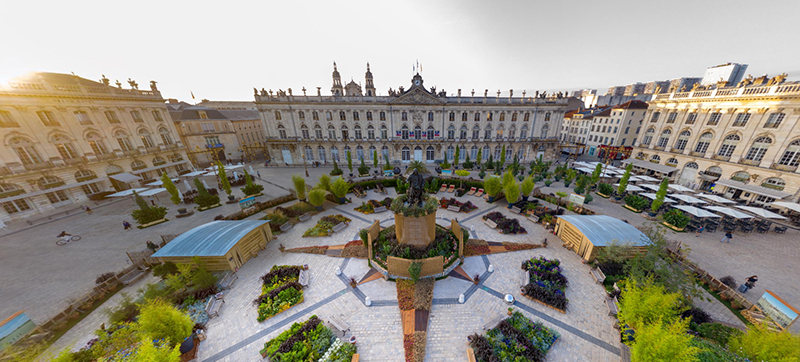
[39, 277]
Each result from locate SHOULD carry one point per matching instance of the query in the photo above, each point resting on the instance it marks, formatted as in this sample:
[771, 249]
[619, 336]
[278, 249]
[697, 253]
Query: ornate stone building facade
[743, 139]
[63, 136]
[411, 124]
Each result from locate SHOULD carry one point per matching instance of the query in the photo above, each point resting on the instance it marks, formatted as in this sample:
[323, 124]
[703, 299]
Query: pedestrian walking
[153, 202]
[126, 225]
[700, 230]
[258, 173]
[152, 246]
[728, 237]
[748, 284]
[88, 210]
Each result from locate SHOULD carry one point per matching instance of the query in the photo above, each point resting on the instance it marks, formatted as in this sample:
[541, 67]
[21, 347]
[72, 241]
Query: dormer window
[203, 114]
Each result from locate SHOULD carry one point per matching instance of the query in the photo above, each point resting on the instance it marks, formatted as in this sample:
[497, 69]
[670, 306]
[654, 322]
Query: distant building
[575, 128]
[616, 91]
[225, 105]
[250, 132]
[682, 84]
[616, 126]
[634, 89]
[655, 87]
[731, 73]
[208, 134]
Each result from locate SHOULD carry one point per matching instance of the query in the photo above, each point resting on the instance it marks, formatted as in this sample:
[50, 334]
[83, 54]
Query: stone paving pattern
[38, 276]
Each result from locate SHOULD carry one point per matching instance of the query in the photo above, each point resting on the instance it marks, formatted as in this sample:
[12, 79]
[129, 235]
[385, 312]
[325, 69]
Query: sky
[221, 50]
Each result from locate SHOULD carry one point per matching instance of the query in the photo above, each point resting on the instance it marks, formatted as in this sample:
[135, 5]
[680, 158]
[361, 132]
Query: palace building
[741, 139]
[67, 139]
[414, 124]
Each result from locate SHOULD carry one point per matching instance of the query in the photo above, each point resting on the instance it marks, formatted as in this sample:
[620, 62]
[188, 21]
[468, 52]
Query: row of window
[49, 119]
[773, 121]
[404, 116]
[417, 133]
[360, 154]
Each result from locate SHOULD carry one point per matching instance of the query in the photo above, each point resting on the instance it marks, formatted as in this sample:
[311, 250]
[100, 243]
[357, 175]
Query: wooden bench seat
[227, 281]
[213, 306]
[304, 217]
[516, 210]
[525, 278]
[132, 276]
[612, 305]
[380, 209]
[598, 275]
[339, 324]
[304, 278]
[533, 218]
[490, 223]
[286, 226]
[339, 227]
[493, 323]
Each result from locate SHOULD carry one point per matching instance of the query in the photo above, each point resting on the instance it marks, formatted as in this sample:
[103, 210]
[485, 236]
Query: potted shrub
[635, 203]
[299, 187]
[660, 195]
[316, 197]
[605, 190]
[526, 187]
[512, 193]
[250, 188]
[350, 163]
[623, 183]
[336, 170]
[676, 219]
[339, 188]
[492, 186]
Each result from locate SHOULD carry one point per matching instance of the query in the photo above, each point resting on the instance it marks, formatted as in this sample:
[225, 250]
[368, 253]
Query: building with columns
[743, 139]
[66, 138]
[414, 124]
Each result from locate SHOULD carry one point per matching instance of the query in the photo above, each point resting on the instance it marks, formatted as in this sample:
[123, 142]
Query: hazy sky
[220, 50]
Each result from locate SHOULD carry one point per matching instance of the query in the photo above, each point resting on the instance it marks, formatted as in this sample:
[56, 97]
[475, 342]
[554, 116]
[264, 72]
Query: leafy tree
[467, 163]
[363, 169]
[660, 195]
[490, 163]
[250, 188]
[174, 195]
[503, 156]
[324, 182]
[147, 213]
[598, 170]
[317, 197]
[615, 252]
[349, 161]
[527, 186]
[419, 166]
[160, 320]
[223, 178]
[664, 342]
[655, 262]
[492, 186]
[480, 157]
[561, 195]
[336, 170]
[456, 156]
[761, 344]
[645, 302]
[375, 158]
[511, 190]
[299, 186]
[148, 352]
[569, 175]
[340, 187]
[623, 182]
[508, 178]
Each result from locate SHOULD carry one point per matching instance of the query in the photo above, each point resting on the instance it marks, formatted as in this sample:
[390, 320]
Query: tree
[503, 156]
[561, 195]
[148, 352]
[250, 188]
[336, 170]
[317, 197]
[490, 163]
[339, 187]
[655, 262]
[456, 156]
[508, 178]
[386, 166]
[146, 213]
[223, 178]
[511, 190]
[664, 342]
[645, 302]
[527, 186]
[660, 195]
[299, 186]
[324, 182]
[203, 198]
[419, 166]
[492, 186]
[623, 183]
[363, 169]
[174, 195]
[596, 174]
[375, 158]
[761, 344]
[467, 163]
[414, 270]
[349, 162]
[480, 157]
[160, 320]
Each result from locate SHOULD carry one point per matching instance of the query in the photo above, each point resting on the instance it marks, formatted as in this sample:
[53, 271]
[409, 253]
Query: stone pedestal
[415, 231]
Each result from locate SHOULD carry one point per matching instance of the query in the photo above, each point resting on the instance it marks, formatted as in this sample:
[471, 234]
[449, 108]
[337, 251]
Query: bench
[479, 193]
[598, 275]
[213, 306]
[611, 304]
[443, 188]
[304, 278]
[516, 210]
[533, 218]
[525, 278]
[132, 276]
[451, 189]
[490, 223]
[492, 323]
[227, 281]
[286, 226]
[624, 353]
[304, 217]
[339, 227]
[380, 209]
[339, 324]
[454, 208]
[472, 191]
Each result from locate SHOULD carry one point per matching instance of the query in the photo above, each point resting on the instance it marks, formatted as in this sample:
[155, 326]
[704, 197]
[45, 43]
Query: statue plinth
[415, 231]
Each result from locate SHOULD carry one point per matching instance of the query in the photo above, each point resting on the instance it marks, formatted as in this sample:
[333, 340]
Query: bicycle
[65, 240]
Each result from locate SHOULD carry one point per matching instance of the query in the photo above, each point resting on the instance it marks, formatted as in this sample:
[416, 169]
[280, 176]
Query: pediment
[417, 95]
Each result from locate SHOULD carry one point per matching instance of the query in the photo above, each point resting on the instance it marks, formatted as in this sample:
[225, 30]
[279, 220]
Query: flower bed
[308, 341]
[415, 297]
[475, 247]
[504, 224]
[309, 250]
[547, 284]
[519, 246]
[464, 207]
[515, 339]
[355, 249]
[279, 291]
[444, 244]
[405, 294]
[370, 206]
[325, 224]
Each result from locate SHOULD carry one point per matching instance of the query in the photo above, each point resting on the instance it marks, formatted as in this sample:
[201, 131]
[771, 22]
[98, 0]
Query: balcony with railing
[658, 148]
[759, 90]
[788, 168]
[721, 158]
[39, 166]
[749, 162]
[697, 154]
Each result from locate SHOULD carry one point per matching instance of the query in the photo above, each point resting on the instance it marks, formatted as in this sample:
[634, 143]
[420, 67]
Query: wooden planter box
[603, 195]
[632, 209]
[544, 304]
[680, 230]
[208, 208]
[152, 223]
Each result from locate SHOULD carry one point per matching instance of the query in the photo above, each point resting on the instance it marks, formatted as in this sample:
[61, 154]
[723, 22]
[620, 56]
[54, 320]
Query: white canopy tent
[652, 196]
[650, 186]
[696, 211]
[194, 174]
[730, 212]
[761, 212]
[717, 199]
[152, 192]
[127, 192]
[680, 188]
[647, 178]
[633, 188]
[159, 182]
[186, 184]
[787, 205]
[688, 199]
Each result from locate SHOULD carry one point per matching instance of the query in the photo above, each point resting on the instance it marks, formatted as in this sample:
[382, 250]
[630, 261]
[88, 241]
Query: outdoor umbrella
[652, 196]
[680, 188]
[205, 185]
[717, 199]
[647, 178]
[158, 183]
[698, 212]
[186, 184]
[787, 205]
[194, 174]
[235, 176]
[251, 170]
[152, 192]
[730, 212]
[633, 188]
[650, 187]
[126, 192]
[761, 212]
[688, 199]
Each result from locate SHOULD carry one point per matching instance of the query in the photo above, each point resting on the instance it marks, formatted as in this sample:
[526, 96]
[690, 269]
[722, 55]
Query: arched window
[301, 115]
[331, 132]
[430, 154]
[317, 131]
[166, 137]
[728, 145]
[384, 132]
[450, 152]
[335, 153]
[342, 116]
[512, 132]
[509, 152]
[357, 131]
[277, 115]
[662, 141]
[372, 153]
[476, 132]
[648, 136]
[523, 133]
[683, 139]
[655, 159]
[309, 153]
[345, 134]
[418, 132]
[385, 152]
[758, 149]
[405, 153]
[359, 153]
[321, 152]
[791, 157]
[714, 171]
[774, 183]
[123, 141]
[347, 152]
[672, 162]
[703, 142]
[83, 175]
[500, 132]
[640, 156]
[742, 176]
[147, 140]
[175, 157]
[463, 132]
[521, 154]
[281, 132]
[138, 165]
[370, 132]
[431, 132]
[544, 131]
[158, 161]
[473, 153]
[451, 132]
[692, 165]
[304, 132]
[404, 132]
[497, 151]
[487, 133]
[64, 147]
[485, 154]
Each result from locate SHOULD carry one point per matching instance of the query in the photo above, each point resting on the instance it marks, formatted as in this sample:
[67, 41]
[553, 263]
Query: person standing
[88, 210]
[700, 230]
[126, 225]
[728, 237]
[751, 282]
[258, 173]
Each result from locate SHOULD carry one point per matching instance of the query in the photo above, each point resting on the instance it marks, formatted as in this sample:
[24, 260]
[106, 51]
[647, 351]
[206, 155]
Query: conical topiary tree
[146, 213]
[623, 182]
[660, 195]
[223, 178]
[299, 186]
[203, 198]
[251, 188]
[174, 195]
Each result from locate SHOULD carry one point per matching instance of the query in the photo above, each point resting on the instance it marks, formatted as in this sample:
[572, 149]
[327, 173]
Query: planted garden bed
[415, 300]
[514, 339]
[279, 291]
[444, 244]
[308, 341]
[354, 249]
[474, 247]
[325, 226]
[464, 207]
[309, 250]
[370, 206]
[547, 284]
[504, 224]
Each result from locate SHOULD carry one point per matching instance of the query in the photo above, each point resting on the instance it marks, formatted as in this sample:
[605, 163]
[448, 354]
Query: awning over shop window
[160, 166]
[651, 166]
[54, 189]
[752, 188]
[125, 177]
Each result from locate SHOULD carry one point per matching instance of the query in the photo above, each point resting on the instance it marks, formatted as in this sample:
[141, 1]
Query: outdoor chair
[780, 229]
